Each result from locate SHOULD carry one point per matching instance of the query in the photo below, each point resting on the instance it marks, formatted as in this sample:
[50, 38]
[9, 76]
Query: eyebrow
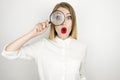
[68, 13]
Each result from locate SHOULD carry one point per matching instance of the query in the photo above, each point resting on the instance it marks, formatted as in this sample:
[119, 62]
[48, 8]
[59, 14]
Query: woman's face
[64, 29]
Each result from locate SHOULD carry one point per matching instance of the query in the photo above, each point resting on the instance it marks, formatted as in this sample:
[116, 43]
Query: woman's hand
[40, 28]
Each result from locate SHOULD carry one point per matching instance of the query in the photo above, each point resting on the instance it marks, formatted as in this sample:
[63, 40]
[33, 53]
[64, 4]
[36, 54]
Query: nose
[65, 21]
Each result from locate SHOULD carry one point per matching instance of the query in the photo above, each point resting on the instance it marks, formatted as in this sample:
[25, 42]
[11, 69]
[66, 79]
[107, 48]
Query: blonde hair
[73, 32]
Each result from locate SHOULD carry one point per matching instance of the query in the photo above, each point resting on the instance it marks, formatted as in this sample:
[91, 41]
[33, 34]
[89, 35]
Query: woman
[61, 56]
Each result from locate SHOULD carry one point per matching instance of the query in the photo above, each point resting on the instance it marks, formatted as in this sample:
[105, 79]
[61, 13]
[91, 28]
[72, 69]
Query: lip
[63, 30]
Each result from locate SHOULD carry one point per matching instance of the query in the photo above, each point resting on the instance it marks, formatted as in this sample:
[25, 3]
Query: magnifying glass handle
[49, 22]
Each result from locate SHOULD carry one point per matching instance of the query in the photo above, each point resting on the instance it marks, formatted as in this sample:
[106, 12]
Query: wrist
[31, 35]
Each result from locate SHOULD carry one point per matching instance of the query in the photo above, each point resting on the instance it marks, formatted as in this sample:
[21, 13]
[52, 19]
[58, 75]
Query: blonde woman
[61, 56]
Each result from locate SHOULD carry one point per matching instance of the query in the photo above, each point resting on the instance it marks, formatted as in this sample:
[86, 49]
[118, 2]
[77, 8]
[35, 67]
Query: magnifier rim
[59, 11]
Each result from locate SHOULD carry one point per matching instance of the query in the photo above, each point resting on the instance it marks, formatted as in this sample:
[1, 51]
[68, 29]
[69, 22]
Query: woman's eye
[57, 17]
[69, 17]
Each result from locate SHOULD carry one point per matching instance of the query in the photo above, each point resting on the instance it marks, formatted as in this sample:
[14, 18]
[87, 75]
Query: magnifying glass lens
[57, 17]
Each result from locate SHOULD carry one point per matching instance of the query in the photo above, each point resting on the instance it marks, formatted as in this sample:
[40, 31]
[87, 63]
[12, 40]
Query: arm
[82, 71]
[17, 44]
[16, 49]
[82, 66]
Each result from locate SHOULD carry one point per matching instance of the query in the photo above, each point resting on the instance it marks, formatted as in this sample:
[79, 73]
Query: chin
[64, 37]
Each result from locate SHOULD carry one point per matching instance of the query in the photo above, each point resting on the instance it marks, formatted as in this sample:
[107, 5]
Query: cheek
[57, 29]
[70, 22]
[69, 29]
[70, 25]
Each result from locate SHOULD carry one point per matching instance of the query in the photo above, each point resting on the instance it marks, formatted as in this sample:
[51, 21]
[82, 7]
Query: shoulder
[38, 43]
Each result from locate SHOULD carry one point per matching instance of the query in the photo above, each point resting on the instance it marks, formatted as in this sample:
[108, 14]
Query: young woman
[61, 56]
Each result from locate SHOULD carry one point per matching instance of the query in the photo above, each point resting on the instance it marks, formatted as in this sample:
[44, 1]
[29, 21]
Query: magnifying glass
[57, 18]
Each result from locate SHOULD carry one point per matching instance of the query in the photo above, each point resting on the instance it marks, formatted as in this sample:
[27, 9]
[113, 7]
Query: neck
[63, 38]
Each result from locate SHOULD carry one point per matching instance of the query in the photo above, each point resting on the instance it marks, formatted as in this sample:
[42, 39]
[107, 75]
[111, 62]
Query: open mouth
[63, 30]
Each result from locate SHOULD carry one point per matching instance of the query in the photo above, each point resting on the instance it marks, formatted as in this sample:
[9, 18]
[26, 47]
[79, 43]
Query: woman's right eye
[58, 17]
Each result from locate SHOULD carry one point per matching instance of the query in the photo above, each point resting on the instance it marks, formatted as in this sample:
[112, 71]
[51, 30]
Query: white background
[98, 27]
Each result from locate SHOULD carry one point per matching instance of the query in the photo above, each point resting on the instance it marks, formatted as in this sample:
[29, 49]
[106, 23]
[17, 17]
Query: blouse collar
[63, 42]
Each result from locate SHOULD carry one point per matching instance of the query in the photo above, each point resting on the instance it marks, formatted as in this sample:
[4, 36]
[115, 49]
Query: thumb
[47, 23]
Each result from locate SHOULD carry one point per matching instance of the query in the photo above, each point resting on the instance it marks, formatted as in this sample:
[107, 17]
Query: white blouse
[56, 59]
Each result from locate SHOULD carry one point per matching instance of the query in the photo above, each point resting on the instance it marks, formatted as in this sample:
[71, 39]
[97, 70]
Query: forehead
[64, 10]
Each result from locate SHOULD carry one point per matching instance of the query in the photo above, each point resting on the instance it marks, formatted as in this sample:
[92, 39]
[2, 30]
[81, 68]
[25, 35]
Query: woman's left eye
[69, 17]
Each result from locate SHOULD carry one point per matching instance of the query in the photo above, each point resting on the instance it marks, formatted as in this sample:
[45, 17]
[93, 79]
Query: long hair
[73, 32]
